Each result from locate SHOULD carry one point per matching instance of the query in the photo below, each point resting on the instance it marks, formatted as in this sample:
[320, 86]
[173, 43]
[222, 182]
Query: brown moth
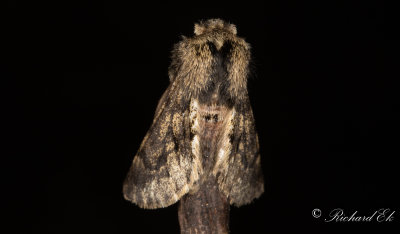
[203, 128]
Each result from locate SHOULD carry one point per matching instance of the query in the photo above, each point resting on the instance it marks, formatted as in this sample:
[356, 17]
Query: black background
[82, 84]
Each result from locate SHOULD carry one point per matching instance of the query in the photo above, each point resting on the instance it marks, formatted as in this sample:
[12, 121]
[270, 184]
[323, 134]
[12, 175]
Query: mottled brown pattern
[203, 130]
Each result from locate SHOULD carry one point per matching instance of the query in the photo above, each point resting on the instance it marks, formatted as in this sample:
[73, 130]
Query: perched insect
[203, 128]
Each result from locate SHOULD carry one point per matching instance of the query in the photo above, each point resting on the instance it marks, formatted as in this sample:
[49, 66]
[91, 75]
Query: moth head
[215, 31]
[214, 47]
[212, 24]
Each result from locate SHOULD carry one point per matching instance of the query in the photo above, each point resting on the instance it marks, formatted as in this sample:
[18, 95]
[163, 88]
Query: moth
[203, 126]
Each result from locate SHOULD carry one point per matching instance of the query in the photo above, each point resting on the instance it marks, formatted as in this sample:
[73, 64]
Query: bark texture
[206, 211]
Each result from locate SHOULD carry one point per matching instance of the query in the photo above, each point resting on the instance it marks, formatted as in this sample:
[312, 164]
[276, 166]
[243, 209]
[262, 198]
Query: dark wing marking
[242, 179]
[162, 170]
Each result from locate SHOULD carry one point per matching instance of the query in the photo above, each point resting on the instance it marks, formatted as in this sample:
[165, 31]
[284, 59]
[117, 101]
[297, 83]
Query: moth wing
[161, 172]
[242, 180]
